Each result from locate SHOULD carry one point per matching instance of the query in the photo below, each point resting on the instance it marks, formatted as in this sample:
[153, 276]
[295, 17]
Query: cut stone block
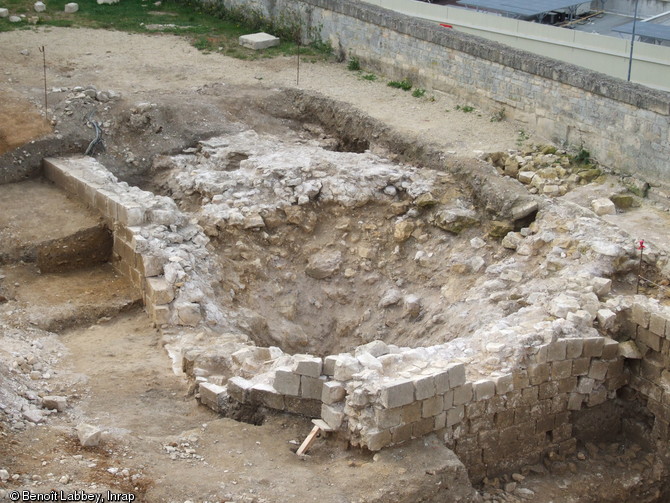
[287, 382]
[376, 439]
[4, 13]
[308, 365]
[603, 206]
[463, 394]
[456, 375]
[159, 291]
[397, 394]
[333, 415]
[629, 349]
[58, 403]
[257, 41]
[610, 349]
[332, 392]
[238, 388]
[657, 324]
[484, 389]
[311, 387]
[188, 314]
[210, 394]
[504, 384]
[606, 318]
[375, 348]
[39, 7]
[71, 7]
[329, 365]
[424, 387]
[89, 435]
[265, 394]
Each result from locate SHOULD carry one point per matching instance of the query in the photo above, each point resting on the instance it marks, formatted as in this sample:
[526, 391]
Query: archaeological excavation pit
[299, 271]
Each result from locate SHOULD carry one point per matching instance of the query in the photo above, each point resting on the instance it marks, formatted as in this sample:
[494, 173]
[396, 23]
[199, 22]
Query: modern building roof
[523, 8]
[659, 32]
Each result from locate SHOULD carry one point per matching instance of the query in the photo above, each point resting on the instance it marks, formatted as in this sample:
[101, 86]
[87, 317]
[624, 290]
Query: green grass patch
[208, 27]
[354, 64]
[418, 92]
[369, 76]
[405, 84]
[466, 108]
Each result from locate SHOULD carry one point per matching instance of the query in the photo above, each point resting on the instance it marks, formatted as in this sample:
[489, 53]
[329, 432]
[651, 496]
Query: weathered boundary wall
[626, 126]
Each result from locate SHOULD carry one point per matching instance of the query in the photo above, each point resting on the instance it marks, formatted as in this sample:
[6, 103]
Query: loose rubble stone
[89, 435]
[71, 7]
[603, 206]
[455, 220]
[324, 264]
[15, 19]
[58, 403]
[39, 7]
[4, 12]
[402, 231]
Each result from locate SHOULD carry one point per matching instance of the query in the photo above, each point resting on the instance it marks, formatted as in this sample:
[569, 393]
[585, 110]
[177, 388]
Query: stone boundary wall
[626, 126]
[650, 367]
[133, 215]
[495, 424]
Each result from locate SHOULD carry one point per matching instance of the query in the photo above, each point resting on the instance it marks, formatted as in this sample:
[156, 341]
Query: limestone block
[5, 13]
[159, 291]
[397, 393]
[603, 206]
[89, 435]
[561, 370]
[333, 415]
[160, 315]
[598, 369]
[432, 406]
[387, 418]
[657, 324]
[332, 392]
[311, 387]
[302, 406]
[649, 339]
[610, 349]
[641, 315]
[538, 373]
[593, 346]
[597, 397]
[151, 265]
[601, 286]
[257, 41]
[606, 319]
[615, 368]
[39, 7]
[455, 415]
[375, 348]
[287, 382]
[265, 394]
[58, 403]
[411, 413]
[556, 351]
[401, 433]
[424, 387]
[441, 380]
[238, 388]
[329, 365]
[585, 385]
[368, 362]
[629, 349]
[440, 421]
[345, 367]
[562, 305]
[375, 439]
[463, 394]
[210, 394]
[456, 375]
[581, 366]
[423, 427]
[525, 177]
[188, 314]
[308, 365]
[483, 389]
[504, 384]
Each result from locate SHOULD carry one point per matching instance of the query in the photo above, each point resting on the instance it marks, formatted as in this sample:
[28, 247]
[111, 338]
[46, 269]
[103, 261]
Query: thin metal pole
[44, 64]
[632, 40]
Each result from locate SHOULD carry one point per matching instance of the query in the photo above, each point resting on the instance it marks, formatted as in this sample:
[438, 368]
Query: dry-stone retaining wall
[650, 367]
[496, 423]
[154, 244]
[626, 126]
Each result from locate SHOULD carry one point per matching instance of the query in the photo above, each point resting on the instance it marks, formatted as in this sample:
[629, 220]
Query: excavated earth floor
[220, 138]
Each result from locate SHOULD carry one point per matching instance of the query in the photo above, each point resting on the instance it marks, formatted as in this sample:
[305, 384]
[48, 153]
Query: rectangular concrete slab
[257, 41]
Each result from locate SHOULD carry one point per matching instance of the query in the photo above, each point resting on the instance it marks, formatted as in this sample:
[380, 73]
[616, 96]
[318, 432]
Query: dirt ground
[157, 442]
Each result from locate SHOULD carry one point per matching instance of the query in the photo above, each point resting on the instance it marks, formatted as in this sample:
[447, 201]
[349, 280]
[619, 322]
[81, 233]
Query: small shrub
[354, 64]
[369, 76]
[418, 92]
[498, 115]
[583, 156]
[466, 108]
[405, 84]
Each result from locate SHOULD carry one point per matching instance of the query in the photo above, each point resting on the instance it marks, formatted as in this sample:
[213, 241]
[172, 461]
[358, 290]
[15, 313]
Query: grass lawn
[214, 31]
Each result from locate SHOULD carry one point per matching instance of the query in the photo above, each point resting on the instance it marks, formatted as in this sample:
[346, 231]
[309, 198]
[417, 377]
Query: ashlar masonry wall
[626, 126]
